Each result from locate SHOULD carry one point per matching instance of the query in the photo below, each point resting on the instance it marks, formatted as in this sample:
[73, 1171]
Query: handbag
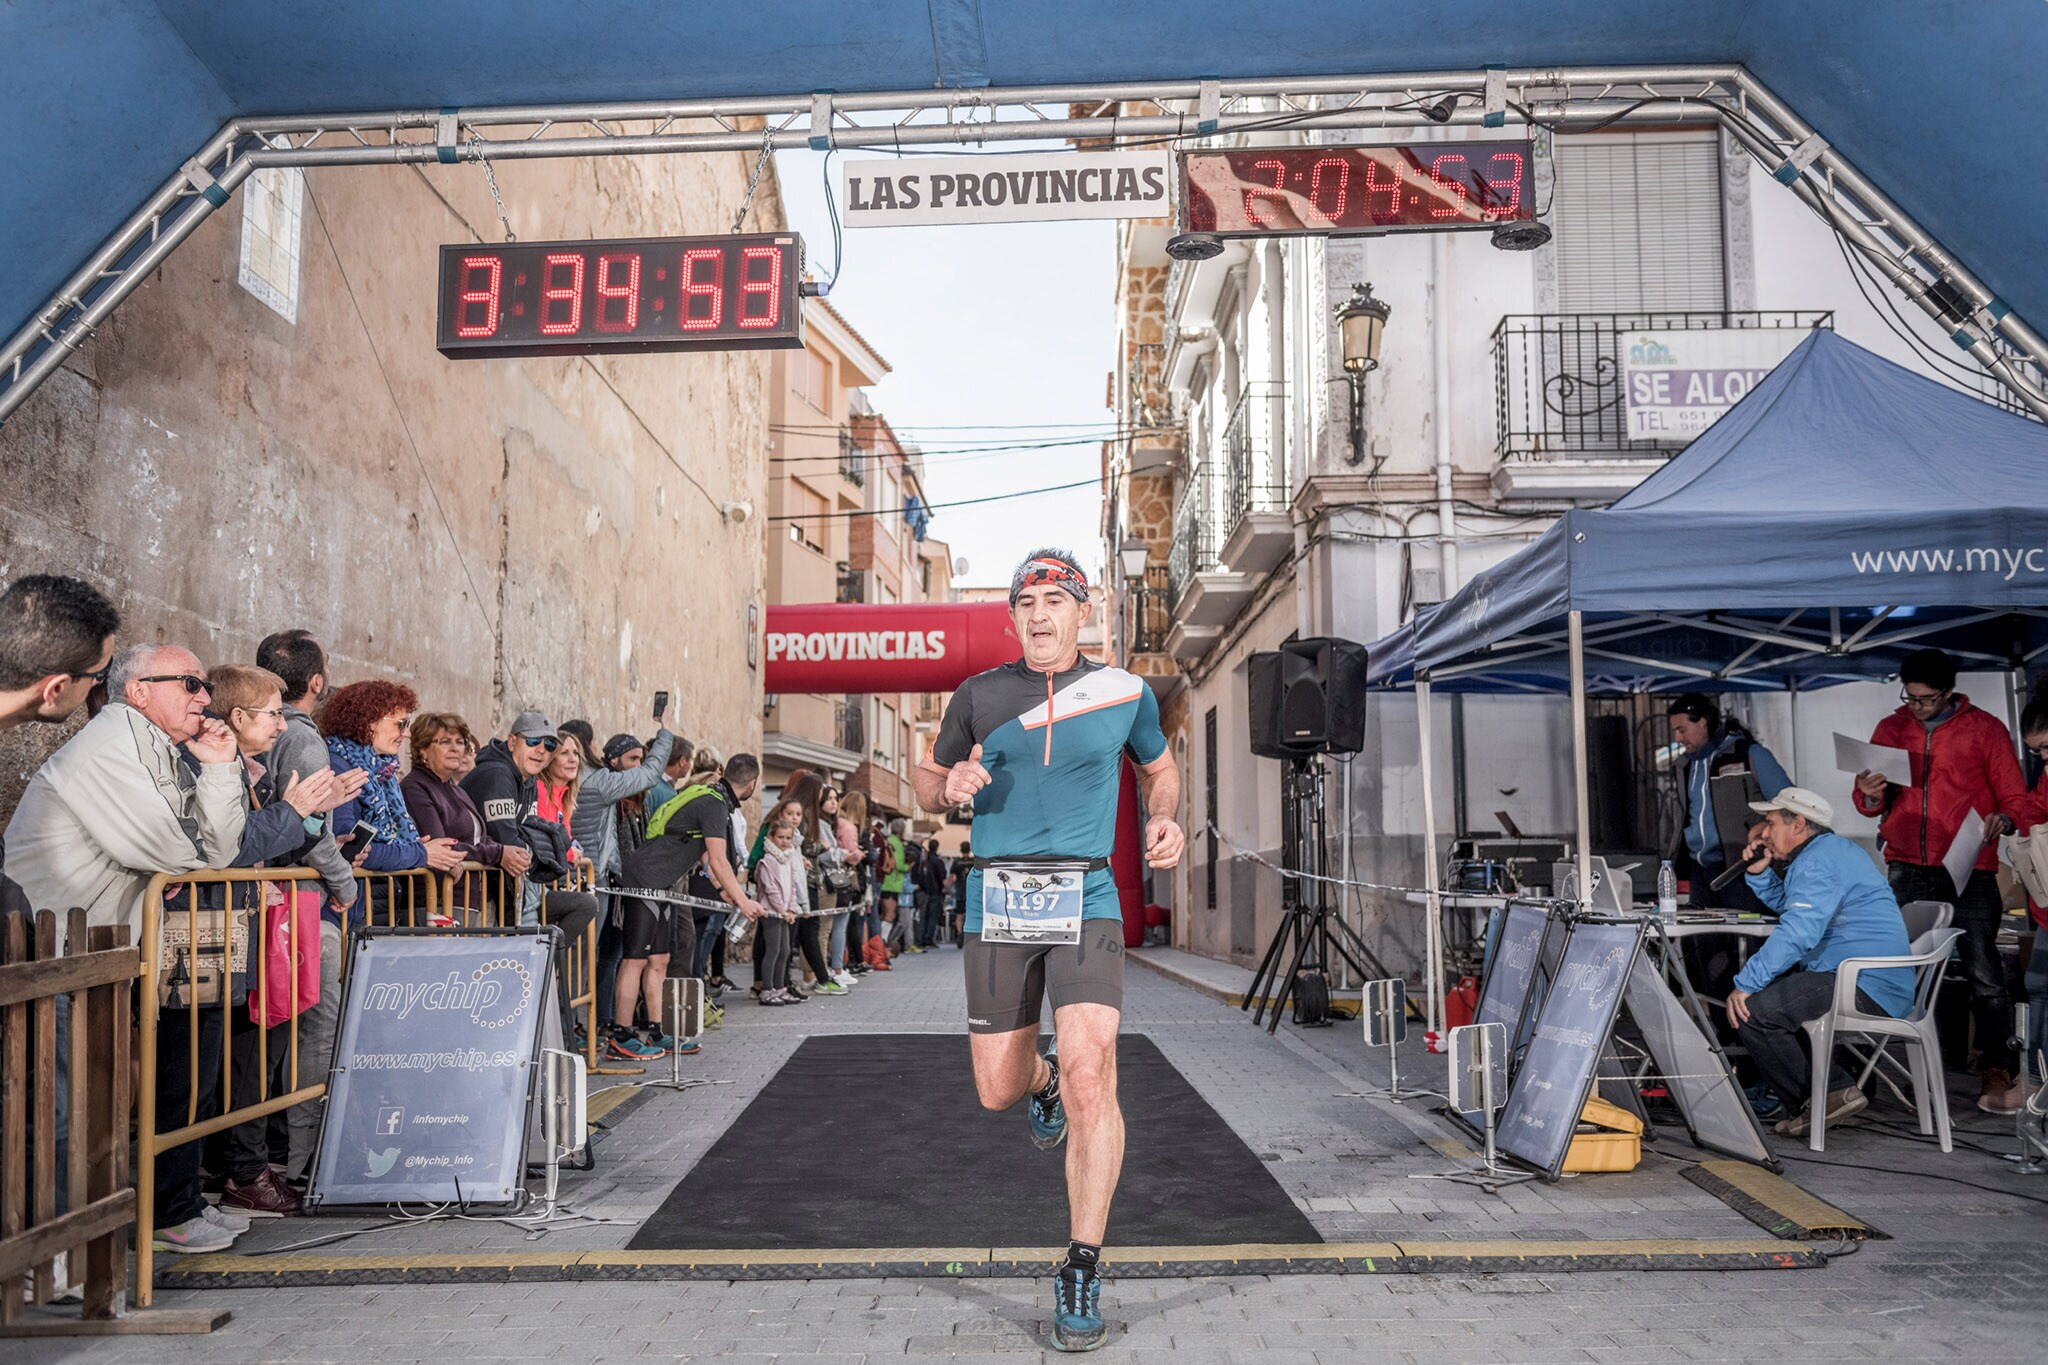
[202, 956]
[2027, 855]
[291, 955]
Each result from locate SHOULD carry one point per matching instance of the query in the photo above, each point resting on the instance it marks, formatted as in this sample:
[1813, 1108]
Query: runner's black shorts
[647, 929]
[1007, 983]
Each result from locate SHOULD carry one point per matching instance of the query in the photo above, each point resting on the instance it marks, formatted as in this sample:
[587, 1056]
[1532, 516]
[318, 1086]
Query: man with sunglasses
[113, 807]
[56, 640]
[1962, 762]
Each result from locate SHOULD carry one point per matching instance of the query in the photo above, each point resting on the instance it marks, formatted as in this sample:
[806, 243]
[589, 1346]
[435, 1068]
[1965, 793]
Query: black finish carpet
[878, 1141]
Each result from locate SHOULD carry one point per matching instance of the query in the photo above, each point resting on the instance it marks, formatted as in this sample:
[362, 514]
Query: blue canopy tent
[1844, 513]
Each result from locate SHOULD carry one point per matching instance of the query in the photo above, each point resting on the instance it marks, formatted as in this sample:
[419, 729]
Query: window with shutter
[1638, 223]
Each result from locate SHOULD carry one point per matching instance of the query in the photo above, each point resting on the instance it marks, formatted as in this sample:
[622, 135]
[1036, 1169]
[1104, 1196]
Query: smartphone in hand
[660, 704]
[354, 842]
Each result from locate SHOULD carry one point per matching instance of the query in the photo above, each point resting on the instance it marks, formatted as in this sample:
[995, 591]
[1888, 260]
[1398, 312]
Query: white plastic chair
[1921, 917]
[1924, 917]
[1916, 1032]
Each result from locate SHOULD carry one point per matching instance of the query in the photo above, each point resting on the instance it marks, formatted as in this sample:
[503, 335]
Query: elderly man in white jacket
[112, 808]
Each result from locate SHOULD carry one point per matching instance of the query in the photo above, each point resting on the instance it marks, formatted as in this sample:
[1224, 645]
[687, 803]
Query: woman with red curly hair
[365, 723]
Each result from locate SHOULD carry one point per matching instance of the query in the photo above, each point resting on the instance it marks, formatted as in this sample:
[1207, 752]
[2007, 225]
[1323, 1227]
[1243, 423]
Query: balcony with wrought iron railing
[853, 457]
[1194, 534]
[1149, 608]
[1558, 381]
[1204, 593]
[849, 724]
[1256, 533]
[1561, 400]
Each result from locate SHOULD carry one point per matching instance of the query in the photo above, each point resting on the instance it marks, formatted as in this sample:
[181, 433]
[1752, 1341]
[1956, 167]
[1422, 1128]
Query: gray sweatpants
[316, 1051]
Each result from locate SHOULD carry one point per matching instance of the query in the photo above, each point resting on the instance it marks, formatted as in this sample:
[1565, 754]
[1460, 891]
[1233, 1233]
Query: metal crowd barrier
[193, 950]
[196, 947]
[476, 896]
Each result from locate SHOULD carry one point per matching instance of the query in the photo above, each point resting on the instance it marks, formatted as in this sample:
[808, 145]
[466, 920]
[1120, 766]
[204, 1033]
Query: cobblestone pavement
[1963, 1275]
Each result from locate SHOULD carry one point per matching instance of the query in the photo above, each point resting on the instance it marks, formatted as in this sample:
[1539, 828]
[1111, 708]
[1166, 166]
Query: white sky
[1010, 324]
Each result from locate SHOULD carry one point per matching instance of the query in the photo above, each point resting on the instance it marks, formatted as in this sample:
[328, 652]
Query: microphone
[1727, 879]
[1722, 882]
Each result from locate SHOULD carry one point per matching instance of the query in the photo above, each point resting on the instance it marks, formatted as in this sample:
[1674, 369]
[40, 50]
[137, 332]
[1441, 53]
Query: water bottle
[1667, 890]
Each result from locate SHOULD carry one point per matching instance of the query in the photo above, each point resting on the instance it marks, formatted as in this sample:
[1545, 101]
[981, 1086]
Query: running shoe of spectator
[263, 1197]
[829, 988]
[1764, 1102]
[233, 1223]
[625, 1044]
[192, 1237]
[847, 979]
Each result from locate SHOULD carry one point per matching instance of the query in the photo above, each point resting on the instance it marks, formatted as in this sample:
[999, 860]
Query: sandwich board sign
[1514, 983]
[1557, 1072]
[434, 1067]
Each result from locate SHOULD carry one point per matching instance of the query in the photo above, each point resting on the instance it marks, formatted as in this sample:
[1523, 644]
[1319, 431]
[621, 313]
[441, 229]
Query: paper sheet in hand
[1856, 756]
[1962, 854]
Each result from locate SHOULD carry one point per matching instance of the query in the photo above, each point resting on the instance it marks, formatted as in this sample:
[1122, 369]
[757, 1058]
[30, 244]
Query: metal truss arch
[2010, 352]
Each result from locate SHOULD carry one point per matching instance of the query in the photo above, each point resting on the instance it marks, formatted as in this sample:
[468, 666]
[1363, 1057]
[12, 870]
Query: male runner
[1037, 746]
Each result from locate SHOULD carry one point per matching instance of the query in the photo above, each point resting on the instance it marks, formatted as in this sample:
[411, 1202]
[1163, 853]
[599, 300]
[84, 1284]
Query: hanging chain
[491, 179]
[754, 181]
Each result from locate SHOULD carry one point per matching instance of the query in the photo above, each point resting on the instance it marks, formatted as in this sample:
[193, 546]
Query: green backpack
[657, 823]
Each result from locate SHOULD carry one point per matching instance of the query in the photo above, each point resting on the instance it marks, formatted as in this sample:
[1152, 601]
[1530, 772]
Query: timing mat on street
[878, 1141]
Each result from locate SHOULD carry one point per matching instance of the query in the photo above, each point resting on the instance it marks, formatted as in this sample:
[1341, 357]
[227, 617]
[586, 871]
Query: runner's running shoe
[627, 1046]
[1077, 1323]
[1048, 1117]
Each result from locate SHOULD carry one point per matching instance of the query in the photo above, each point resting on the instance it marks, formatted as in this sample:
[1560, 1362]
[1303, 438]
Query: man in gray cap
[505, 786]
[1832, 904]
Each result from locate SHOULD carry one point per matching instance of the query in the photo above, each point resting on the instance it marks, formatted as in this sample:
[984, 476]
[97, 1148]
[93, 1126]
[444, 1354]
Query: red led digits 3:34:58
[641, 294]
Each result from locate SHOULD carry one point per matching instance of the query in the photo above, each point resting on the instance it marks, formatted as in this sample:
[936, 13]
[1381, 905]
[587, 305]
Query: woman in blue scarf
[365, 725]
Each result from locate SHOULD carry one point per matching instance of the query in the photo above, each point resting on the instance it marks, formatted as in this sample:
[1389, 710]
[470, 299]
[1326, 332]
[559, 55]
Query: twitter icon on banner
[381, 1163]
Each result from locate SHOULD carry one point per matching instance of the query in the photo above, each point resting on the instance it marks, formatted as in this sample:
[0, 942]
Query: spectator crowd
[182, 768]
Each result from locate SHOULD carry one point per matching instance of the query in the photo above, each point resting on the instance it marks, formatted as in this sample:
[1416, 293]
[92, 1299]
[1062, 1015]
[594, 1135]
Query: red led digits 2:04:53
[1333, 190]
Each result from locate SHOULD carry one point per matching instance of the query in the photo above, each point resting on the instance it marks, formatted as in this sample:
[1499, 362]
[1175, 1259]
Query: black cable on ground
[1924, 1175]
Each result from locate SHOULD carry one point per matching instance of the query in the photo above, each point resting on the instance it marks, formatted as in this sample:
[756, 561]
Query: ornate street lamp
[1361, 322]
[1134, 554]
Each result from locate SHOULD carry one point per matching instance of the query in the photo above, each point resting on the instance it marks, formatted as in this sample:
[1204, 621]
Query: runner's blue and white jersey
[1053, 745]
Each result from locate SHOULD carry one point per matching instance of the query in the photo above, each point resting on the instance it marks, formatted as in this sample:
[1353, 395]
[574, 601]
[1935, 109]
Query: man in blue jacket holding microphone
[1832, 904]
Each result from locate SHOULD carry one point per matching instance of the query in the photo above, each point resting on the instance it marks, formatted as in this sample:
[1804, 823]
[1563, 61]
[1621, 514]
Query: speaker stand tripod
[1310, 933]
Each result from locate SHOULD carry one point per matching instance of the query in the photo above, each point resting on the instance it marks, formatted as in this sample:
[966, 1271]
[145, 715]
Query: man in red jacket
[1963, 761]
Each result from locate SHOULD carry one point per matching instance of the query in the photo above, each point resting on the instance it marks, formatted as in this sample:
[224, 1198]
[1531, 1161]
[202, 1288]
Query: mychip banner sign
[1678, 383]
[1557, 1072]
[428, 1101]
[919, 191]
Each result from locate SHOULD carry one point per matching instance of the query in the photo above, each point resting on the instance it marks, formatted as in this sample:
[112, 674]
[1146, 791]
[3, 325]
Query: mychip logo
[493, 995]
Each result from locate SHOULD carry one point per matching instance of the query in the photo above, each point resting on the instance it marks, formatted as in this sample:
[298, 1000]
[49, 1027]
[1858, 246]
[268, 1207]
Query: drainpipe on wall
[1440, 357]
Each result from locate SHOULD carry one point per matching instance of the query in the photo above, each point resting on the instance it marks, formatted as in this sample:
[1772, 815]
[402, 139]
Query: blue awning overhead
[1845, 512]
[106, 98]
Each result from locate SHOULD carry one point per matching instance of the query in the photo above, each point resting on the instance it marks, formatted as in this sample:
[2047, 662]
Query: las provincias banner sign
[919, 191]
[881, 647]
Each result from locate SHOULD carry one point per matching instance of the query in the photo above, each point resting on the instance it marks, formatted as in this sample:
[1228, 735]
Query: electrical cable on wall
[935, 506]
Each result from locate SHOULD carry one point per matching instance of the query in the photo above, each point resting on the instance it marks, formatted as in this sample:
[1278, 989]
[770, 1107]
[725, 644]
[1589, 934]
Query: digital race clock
[1257, 191]
[639, 294]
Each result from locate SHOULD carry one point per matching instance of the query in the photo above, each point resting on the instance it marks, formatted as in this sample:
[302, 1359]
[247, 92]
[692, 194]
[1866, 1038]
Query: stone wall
[496, 534]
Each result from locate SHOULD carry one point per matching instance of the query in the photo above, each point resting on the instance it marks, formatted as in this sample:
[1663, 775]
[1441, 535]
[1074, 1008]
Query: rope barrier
[1245, 855]
[648, 893]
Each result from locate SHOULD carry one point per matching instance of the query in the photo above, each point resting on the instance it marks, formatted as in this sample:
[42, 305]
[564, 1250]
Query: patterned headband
[1056, 572]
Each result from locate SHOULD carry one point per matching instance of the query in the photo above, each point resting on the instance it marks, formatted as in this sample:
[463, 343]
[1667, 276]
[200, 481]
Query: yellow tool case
[1606, 1139]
